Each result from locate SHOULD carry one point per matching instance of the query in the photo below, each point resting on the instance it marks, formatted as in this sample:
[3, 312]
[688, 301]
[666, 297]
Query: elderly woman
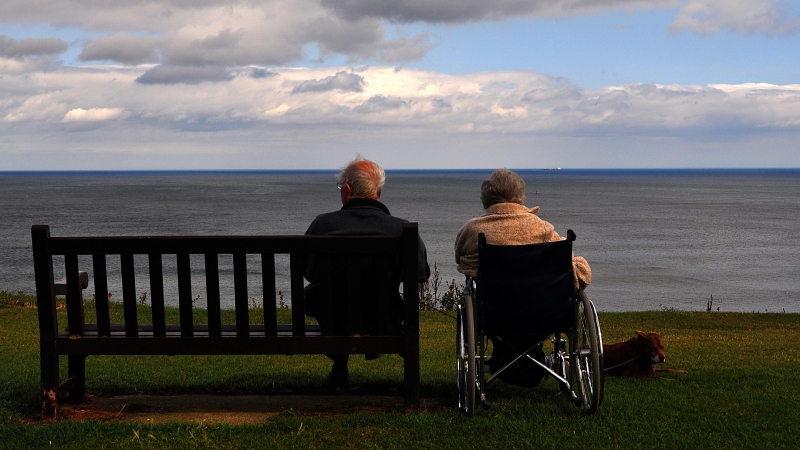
[509, 222]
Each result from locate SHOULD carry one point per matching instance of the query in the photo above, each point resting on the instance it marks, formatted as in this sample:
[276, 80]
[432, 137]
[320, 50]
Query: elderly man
[360, 184]
[509, 222]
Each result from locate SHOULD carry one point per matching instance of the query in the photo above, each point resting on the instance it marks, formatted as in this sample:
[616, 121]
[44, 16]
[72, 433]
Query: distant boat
[554, 168]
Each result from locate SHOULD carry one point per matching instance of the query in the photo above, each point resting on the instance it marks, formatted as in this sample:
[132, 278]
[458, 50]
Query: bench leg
[77, 374]
[411, 380]
[49, 383]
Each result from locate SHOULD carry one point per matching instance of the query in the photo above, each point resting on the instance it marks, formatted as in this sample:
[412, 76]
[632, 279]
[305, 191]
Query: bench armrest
[60, 286]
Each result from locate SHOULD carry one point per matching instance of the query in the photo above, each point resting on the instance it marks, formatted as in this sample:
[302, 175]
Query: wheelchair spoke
[589, 357]
[465, 359]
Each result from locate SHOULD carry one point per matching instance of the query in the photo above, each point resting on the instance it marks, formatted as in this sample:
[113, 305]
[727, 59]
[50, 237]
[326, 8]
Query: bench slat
[101, 294]
[129, 295]
[185, 294]
[212, 294]
[296, 267]
[201, 330]
[325, 272]
[354, 267]
[240, 294]
[157, 293]
[75, 312]
[171, 245]
[384, 297]
[253, 345]
[268, 287]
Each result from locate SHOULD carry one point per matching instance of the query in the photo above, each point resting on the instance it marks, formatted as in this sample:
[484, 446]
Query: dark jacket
[359, 216]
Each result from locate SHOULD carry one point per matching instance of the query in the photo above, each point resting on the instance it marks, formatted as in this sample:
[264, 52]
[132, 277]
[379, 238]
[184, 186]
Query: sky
[411, 84]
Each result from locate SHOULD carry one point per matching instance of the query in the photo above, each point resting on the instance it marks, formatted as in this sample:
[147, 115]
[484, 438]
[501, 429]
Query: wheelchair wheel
[465, 357]
[589, 363]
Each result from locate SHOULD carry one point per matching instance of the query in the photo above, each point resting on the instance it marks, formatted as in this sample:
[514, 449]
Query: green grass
[742, 391]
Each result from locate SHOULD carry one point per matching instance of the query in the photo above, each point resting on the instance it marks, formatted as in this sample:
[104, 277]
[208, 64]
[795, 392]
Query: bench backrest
[400, 250]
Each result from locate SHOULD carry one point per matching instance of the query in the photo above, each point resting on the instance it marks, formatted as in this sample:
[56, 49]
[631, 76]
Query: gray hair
[365, 178]
[503, 186]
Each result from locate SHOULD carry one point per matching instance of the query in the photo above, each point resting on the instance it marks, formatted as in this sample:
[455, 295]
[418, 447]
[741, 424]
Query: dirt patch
[230, 409]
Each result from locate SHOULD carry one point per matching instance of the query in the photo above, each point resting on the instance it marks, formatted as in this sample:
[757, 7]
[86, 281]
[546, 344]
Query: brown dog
[634, 357]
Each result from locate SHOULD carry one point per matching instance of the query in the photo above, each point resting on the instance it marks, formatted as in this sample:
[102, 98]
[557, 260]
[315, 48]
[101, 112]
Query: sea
[691, 240]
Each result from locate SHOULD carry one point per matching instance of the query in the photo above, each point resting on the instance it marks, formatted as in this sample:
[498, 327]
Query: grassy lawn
[742, 391]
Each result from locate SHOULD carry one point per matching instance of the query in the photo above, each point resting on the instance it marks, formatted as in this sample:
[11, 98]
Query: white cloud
[92, 114]
[491, 102]
[740, 16]
[207, 73]
[16, 66]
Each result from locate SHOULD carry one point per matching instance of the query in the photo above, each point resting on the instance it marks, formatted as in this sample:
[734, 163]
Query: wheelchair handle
[571, 236]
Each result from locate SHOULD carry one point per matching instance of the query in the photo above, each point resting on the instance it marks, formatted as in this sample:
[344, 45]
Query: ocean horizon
[655, 238]
[645, 170]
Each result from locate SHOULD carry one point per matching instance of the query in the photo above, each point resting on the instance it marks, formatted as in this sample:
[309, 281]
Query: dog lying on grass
[636, 356]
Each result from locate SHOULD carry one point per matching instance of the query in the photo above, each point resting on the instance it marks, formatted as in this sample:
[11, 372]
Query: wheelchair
[528, 291]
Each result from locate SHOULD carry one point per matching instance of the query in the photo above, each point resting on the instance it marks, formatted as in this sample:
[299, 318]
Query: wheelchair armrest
[469, 286]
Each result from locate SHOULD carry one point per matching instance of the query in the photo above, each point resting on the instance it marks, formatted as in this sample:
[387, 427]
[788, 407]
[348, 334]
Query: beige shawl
[510, 224]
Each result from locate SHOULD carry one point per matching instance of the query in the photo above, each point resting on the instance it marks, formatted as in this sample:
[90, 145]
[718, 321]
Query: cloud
[21, 48]
[16, 66]
[262, 73]
[441, 106]
[341, 81]
[237, 33]
[122, 47]
[459, 11]
[224, 47]
[376, 107]
[496, 103]
[224, 33]
[166, 74]
[558, 90]
[365, 39]
[698, 16]
[230, 33]
[380, 103]
[740, 16]
[92, 114]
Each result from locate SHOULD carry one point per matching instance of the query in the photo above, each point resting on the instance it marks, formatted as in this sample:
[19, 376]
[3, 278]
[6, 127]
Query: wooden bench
[207, 335]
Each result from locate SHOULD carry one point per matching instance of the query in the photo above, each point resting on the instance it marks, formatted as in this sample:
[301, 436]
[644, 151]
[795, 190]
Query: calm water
[654, 239]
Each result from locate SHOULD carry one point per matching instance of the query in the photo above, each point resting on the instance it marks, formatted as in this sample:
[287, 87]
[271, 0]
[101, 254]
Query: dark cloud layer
[262, 73]
[164, 74]
[223, 47]
[456, 11]
[342, 81]
[380, 103]
[122, 47]
[20, 48]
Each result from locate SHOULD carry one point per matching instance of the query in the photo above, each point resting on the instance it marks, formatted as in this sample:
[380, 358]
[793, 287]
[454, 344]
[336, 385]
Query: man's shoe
[372, 356]
[338, 380]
